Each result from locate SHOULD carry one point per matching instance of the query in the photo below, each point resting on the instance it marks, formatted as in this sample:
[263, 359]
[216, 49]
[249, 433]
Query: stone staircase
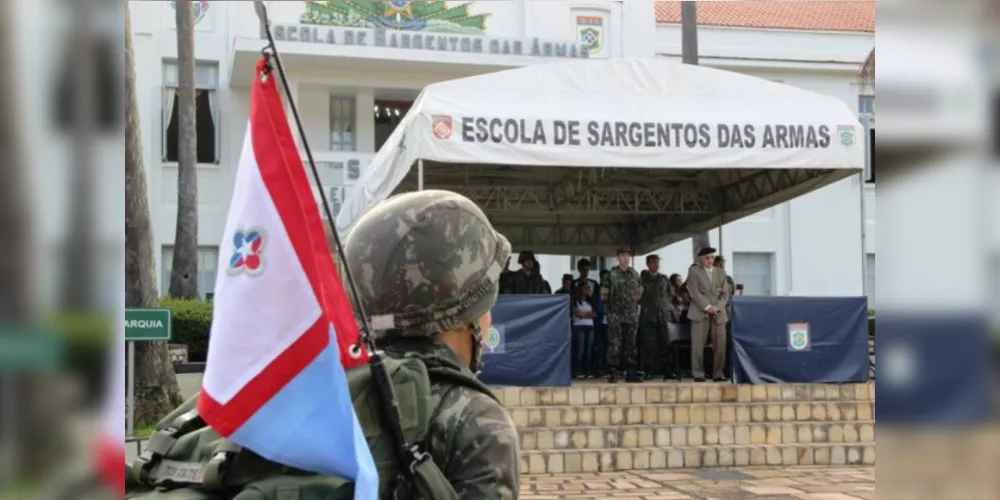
[594, 427]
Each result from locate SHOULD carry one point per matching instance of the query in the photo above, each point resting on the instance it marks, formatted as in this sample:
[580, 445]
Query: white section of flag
[255, 318]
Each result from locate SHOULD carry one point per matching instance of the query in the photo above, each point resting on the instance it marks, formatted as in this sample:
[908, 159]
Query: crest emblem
[494, 340]
[798, 337]
[846, 135]
[901, 364]
[248, 253]
[590, 30]
[200, 9]
[441, 125]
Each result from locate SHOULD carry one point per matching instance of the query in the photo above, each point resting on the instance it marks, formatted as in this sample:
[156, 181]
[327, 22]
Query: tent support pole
[420, 175]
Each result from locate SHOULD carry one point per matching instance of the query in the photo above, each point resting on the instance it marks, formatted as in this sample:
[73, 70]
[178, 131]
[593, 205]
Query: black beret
[706, 251]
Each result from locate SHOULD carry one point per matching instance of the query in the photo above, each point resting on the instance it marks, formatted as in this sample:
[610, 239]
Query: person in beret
[709, 300]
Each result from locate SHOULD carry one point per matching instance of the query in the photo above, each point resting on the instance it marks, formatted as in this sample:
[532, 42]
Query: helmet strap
[476, 365]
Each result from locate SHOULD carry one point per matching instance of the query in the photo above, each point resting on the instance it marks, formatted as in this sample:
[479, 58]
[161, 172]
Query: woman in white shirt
[583, 330]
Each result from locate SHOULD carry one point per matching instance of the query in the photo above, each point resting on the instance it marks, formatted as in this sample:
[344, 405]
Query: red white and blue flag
[282, 328]
[111, 444]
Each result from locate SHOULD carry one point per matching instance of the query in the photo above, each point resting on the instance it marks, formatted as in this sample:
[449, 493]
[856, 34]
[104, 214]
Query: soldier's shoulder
[471, 413]
[479, 442]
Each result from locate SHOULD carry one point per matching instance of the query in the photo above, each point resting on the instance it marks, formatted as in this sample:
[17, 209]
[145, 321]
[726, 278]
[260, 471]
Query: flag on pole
[111, 445]
[282, 327]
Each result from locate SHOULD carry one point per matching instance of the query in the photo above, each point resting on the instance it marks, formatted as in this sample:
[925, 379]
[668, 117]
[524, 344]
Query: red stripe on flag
[227, 418]
[285, 180]
[111, 463]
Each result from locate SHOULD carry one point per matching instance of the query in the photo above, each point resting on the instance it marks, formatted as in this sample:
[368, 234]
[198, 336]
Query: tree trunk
[184, 274]
[156, 389]
[79, 252]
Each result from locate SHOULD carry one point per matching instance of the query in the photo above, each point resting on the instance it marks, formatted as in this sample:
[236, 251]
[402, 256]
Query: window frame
[771, 277]
[166, 266]
[352, 120]
[206, 80]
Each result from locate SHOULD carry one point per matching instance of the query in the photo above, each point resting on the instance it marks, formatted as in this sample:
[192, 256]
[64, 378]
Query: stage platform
[594, 426]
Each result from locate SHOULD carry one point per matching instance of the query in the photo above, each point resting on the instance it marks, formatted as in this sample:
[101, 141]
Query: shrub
[191, 321]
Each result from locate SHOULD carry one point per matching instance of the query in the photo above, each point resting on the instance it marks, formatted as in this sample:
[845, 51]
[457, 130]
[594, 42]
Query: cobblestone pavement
[799, 483]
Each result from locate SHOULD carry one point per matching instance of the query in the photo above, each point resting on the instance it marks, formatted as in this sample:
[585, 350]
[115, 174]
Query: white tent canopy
[584, 156]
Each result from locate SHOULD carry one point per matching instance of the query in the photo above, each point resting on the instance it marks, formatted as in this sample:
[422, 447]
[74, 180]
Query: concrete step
[690, 413]
[694, 457]
[598, 394]
[644, 436]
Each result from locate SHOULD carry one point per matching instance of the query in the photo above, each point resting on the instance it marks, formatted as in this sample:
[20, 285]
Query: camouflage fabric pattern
[430, 260]
[655, 303]
[622, 287]
[655, 347]
[524, 283]
[621, 343]
[472, 437]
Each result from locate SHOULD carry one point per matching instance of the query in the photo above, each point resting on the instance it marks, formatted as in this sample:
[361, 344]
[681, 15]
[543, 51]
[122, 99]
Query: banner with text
[615, 113]
[529, 344]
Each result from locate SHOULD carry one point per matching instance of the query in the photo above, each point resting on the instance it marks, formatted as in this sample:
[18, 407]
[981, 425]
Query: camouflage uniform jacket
[523, 283]
[622, 287]
[655, 301]
[472, 440]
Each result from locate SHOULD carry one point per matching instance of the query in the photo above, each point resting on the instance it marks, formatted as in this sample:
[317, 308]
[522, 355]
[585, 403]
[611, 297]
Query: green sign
[30, 351]
[147, 324]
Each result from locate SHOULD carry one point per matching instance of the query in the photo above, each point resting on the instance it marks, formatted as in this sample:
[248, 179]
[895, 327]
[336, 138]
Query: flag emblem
[846, 134]
[495, 340]
[591, 30]
[798, 337]
[441, 125]
[248, 256]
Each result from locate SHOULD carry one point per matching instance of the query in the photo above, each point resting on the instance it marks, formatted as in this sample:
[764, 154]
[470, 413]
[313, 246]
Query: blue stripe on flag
[310, 424]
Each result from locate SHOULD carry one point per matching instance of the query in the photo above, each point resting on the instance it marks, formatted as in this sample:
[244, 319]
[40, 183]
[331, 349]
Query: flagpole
[410, 454]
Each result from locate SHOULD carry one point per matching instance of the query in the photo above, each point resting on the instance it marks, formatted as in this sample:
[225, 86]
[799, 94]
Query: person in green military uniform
[621, 297]
[440, 315]
[528, 280]
[654, 310]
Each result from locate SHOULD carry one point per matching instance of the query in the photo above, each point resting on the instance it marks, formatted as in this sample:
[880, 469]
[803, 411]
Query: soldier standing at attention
[528, 280]
[505, 278]
[653, 312]
[439, 315]
[621, 298]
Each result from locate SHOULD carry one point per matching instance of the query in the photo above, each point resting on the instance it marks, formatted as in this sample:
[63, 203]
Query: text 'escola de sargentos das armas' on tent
[622, 134]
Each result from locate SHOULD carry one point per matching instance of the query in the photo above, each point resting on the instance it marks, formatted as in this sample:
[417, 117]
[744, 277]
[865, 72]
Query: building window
[755, 271]
[342, 137]
[208, 261]
[206, 103]
[866, 105]
[870, 279]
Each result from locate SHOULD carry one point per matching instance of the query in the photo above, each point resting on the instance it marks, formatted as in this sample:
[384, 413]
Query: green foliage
[87, 341]
[191, 321]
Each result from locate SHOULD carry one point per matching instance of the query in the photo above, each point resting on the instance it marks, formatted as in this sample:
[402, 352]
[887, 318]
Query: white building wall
[815, 240]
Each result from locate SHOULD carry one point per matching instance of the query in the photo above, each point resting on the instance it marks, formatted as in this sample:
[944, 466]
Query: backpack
[184, 459]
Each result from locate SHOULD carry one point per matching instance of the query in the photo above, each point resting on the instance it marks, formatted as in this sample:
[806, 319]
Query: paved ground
[799, 483]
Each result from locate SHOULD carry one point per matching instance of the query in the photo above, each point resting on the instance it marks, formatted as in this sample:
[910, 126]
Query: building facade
[356, 67]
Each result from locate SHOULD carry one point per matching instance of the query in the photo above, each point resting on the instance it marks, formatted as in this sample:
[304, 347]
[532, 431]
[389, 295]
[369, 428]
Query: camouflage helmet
[425, 262]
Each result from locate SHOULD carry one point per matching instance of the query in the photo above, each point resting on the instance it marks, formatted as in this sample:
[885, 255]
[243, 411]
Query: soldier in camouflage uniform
[428, 268]
[653, 313]
[528, 279]
[620, 298]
